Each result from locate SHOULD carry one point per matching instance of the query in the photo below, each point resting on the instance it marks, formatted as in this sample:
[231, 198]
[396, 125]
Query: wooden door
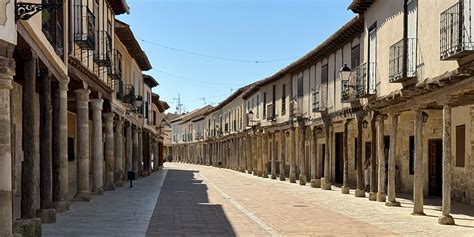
[435, 153]
[339, 158]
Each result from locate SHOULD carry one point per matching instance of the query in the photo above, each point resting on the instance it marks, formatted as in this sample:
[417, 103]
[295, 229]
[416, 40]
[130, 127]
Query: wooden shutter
[460, 145]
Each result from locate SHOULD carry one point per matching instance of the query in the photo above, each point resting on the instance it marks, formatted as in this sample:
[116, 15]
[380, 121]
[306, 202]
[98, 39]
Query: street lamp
[137, 105]
[424, 117]
[345, 73]
[250, 118]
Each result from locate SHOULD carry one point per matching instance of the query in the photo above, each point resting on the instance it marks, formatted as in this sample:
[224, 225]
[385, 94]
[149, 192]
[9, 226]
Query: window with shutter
[324, 74]
[460, 145]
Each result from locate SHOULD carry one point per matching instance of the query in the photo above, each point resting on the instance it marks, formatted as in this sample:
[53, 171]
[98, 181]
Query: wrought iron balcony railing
[102, 54]
[361, 83]
[318, 102]
[129, 94]
[84, 27]
[457, 29]
[119, 89]
[402, 64]
[52, 28]
[115, 69]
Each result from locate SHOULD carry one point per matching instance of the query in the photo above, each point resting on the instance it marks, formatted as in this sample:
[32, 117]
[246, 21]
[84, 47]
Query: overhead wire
[216, 57]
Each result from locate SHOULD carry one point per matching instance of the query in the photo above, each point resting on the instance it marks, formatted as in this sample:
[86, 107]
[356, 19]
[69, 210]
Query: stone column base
[315, 183]
[119, 183]
[293, 178]
[98, 191]
[446, 220]
[282, 178]
[360, 193]
[392, 204]
[61, 206]
[325, 185]
[274, 176]
[46, 215]
[373, 196]
[302, 179]
[345, 190]
[381, 197]
[28, 227]
[418, 214]
[265, 175]
[109, 187]
[82, 196]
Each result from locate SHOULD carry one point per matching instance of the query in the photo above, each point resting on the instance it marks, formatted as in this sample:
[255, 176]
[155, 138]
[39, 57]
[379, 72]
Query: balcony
[84, 27]
[361, 83]
[128, 94]
[102, 54]
[53, 30]
[119, 90]
[403, 60]
[319, 104]
[115, 69]
[457, 31]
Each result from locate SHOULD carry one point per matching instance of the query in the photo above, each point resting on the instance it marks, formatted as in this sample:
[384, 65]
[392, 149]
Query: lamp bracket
[25, 10]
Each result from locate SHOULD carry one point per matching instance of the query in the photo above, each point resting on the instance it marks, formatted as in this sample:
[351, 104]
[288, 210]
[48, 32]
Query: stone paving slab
[123, 212]
[294, 210]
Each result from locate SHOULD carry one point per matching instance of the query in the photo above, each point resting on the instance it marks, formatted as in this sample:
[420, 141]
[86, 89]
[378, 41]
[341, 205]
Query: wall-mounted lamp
[319, 130]
[365, 124]
[345, 72]
[424, 117]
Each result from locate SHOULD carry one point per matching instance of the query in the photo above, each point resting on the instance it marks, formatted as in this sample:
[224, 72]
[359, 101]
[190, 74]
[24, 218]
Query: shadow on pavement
[183, 209]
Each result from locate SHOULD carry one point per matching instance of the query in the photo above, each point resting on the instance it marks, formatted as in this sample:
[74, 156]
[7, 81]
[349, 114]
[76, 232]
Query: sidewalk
[123, 212]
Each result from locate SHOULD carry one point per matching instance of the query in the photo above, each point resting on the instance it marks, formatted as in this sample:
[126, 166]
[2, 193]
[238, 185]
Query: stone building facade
[389, 92]
[71, 88]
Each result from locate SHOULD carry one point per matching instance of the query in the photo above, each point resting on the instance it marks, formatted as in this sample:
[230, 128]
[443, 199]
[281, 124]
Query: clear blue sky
[236, 29]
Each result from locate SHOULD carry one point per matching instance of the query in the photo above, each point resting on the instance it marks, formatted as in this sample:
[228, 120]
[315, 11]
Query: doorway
[322, 150]
[435, 157]
[339, 158]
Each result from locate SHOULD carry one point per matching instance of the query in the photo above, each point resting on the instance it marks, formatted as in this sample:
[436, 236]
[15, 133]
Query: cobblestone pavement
[123, 212]
[207, 201]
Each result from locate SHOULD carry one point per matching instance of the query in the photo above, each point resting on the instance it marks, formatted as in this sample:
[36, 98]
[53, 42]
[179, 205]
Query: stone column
[345, 178]
[292, 156]
[97, 146]
[419, 174]
[31, 141]
[248, 144]
[60, 151]
[315, 180]
[135, 151]
[381, 195]
[446, 218]
[273, 156]
[360, 191]
[46, 213]
[326, 180]
[265, 154]
[129, 149]
[391, 163]
[83, 154]
[301, 146]
[7, 71]
[109, 152]
[255, 155]
[140, 153]
[282, 155]
[118, 136]
[375, 154]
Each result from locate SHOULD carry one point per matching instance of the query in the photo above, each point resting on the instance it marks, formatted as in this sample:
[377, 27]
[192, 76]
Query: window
[283, 100]
[355, 57]
[300, 87]
[411, 165]
[460, 145]
[264, 105]
[248, 106]
[258, 105]
[273, 100]
[324, 73]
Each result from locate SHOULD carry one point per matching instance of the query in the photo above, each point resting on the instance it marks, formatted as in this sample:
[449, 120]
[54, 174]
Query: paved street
[206, 201]
[123, 212]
